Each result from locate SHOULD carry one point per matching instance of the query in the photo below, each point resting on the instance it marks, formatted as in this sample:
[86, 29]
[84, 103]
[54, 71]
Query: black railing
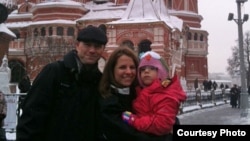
[202, 97]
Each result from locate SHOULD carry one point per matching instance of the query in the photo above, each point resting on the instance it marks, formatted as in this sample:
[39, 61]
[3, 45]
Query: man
[62, 103]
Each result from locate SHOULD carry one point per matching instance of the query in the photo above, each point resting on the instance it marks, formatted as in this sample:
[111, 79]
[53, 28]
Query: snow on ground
[234, 118]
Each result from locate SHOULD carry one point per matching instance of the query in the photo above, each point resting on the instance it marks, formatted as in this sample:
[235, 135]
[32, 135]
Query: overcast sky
[222, 33]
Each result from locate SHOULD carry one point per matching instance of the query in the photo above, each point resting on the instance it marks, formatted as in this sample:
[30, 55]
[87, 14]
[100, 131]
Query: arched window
[201, 37]
[129, 44]
[59, 31]
[144, 46]
[70, 31]
[189, 36]
[27, 8]
[195, 36]
[50, 31]
[43, 31]
[36, 32]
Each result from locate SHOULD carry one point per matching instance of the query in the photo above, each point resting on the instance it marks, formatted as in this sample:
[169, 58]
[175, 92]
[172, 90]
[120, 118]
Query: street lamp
[240, 21]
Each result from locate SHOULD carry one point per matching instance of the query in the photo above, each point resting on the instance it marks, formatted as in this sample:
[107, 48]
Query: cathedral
[46, 29]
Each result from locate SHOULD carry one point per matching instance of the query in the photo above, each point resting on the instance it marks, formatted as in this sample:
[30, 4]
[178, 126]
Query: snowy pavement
[219, 114]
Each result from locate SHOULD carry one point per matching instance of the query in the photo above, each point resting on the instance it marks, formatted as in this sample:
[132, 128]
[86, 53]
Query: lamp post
[243, 94]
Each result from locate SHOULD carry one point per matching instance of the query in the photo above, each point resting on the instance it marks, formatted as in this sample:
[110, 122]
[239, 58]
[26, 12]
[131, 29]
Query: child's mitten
[127, 117]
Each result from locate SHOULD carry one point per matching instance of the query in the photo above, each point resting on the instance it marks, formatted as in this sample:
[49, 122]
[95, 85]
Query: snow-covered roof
[137, 11]
[184, 13]
[103, 11]
[59, 3]
[26, 24]
[176, 22]
[146, 11]
[15, 15]
[99, 7]
[18, 24]
[4, 29]
[197, 29]
[105, 14]
[53, 22]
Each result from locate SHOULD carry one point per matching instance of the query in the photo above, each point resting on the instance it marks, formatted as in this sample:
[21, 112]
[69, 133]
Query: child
[158, 97]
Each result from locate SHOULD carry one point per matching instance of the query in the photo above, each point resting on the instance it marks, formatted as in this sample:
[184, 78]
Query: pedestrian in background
[158, 99]
[234, 95]
[221, 86]
[117, 89]
[205, 83]
[3, 113]
[196, 83]
[215, 85]
[209, 85]
[63, 101]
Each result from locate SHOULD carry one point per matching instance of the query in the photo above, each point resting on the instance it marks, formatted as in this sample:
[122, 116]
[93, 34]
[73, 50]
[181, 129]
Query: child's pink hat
[151, 58]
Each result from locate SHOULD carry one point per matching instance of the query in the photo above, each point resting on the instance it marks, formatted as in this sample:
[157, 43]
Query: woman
[117, 88]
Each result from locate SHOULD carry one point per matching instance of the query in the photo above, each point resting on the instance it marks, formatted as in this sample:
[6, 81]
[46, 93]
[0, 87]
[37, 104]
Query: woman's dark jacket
[62, 104]
[113, 127]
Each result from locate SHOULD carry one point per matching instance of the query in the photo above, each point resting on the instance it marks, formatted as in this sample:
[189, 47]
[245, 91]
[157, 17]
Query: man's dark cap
[93, 34]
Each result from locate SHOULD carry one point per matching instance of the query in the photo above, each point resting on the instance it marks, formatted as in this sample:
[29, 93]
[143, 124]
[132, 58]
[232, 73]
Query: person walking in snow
[234, 95]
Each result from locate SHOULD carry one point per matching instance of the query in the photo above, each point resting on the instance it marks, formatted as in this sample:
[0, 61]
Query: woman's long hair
[108, 72]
